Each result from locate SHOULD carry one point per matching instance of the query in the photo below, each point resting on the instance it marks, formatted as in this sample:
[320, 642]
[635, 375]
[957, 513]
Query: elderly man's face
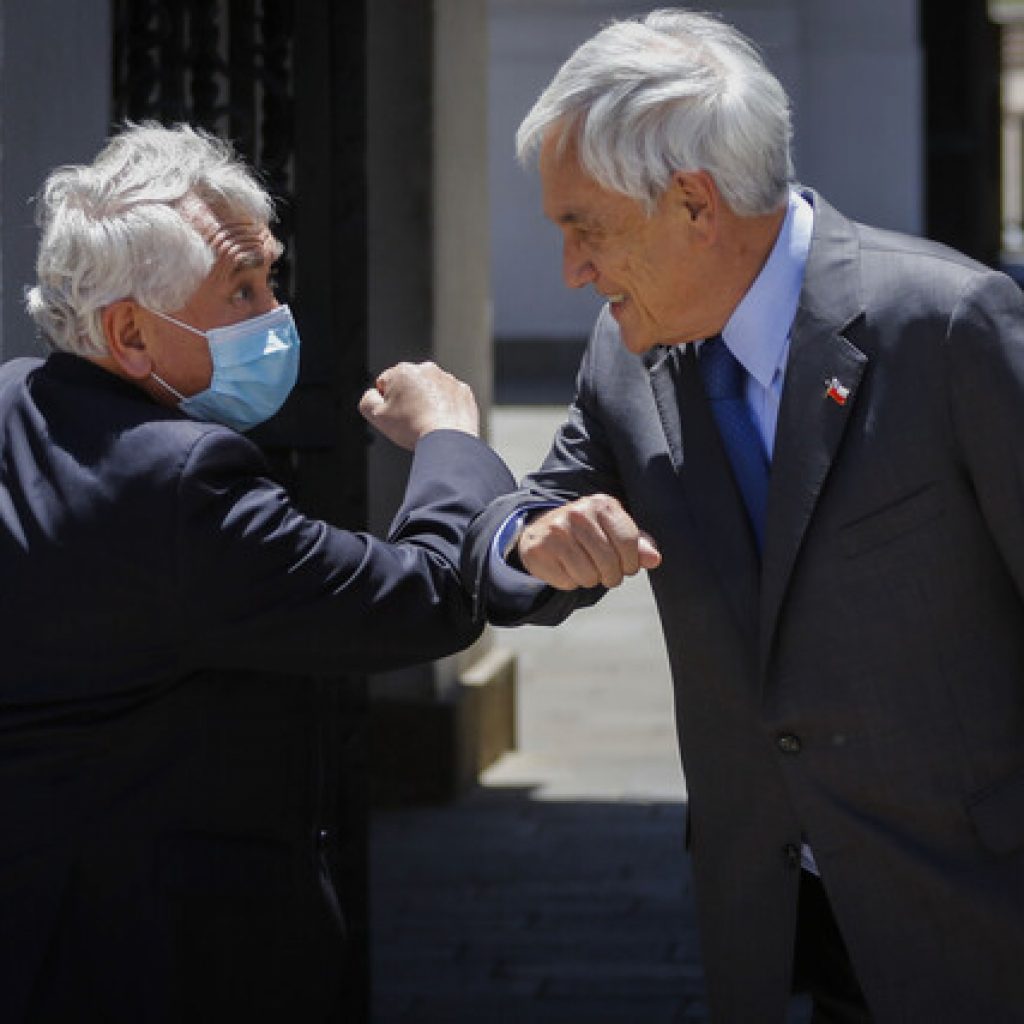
[238, 287]
[651, 269]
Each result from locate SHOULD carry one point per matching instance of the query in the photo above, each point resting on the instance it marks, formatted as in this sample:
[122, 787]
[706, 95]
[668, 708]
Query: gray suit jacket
[863, 688]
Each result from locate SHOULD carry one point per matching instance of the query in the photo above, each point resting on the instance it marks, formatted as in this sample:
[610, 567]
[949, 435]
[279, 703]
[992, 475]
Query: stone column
[435, 726]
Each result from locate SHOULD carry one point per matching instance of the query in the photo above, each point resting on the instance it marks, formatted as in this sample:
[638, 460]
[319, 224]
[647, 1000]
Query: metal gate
[285, 82]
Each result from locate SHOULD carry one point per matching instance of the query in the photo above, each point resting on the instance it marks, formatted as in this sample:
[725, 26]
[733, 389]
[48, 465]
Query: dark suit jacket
[865, 687]
[167, 790]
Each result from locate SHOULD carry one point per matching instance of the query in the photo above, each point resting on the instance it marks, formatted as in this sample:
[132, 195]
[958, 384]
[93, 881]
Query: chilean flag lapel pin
[837, 391]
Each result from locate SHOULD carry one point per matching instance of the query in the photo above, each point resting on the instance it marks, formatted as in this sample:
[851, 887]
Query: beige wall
[462, 277]
[429, 274]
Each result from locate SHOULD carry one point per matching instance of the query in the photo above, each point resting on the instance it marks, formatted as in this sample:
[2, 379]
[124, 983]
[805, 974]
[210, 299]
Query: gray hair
[116, 228]
[675, 91]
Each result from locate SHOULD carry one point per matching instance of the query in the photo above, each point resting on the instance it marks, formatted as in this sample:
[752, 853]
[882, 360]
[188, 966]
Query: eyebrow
[247, 261]
[572, 219]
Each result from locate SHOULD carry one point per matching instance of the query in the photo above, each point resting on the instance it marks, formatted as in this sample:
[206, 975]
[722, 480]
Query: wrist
[510, 551]
[459, 425]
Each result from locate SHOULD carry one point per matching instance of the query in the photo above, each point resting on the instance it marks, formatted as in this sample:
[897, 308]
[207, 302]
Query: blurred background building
[1010, 17]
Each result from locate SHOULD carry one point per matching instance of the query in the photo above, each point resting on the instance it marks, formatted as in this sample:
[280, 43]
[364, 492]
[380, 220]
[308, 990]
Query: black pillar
[961, 47]
[286, 82]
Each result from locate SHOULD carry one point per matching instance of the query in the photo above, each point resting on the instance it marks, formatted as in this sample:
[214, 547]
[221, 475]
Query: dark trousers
[821, 964]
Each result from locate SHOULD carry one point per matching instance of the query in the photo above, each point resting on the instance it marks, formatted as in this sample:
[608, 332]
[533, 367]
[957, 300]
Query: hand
[587, 542]
[412, 399]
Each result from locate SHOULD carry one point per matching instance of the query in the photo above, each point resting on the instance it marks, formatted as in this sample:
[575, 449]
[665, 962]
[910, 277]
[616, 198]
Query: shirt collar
[757, 333]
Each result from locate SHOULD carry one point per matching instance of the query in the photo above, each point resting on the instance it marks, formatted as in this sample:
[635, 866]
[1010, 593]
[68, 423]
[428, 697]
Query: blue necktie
[725, 385]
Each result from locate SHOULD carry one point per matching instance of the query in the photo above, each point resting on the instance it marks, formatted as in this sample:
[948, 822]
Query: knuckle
[577, 516]
[536, 543]
[544, 522]
[529, 541]
[559, 525]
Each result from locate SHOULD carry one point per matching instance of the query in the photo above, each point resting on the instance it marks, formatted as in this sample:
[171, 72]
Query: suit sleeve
[262, 586]
[579, 463]
[985, 344]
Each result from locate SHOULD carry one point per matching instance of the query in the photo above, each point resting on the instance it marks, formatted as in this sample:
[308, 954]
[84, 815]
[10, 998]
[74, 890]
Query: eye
[253, 287]
[588, 238]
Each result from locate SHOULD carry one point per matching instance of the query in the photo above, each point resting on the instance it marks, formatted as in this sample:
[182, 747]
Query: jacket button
[788, 743]
[791, 855]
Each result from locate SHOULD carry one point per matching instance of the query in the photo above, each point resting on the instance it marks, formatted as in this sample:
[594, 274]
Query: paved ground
[557, 892]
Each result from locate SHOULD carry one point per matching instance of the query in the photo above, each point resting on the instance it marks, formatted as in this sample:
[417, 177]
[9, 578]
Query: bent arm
[263, 586]
[579, 467]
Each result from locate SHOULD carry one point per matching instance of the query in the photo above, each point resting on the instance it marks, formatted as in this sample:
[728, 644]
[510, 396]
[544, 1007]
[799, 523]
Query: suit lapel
[663, 371]
[808, 435]
[711, 493]
[813, 415]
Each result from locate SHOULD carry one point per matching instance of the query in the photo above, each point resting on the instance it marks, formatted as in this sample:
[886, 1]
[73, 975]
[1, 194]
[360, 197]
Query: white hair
[117, 229]
[674, 91]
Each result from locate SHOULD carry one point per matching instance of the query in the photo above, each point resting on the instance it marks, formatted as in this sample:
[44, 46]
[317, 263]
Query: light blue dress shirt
[757, 333]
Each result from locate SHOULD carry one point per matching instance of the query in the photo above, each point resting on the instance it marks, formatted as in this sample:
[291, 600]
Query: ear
[698, 198]
[125, 341]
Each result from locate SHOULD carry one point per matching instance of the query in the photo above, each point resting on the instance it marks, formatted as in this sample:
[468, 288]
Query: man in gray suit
[813, 426]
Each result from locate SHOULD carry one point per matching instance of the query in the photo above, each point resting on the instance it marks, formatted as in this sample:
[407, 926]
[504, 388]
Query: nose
[577, 270]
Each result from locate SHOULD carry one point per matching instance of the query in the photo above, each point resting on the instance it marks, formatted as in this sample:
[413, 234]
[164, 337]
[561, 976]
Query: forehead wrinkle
[247, 260]
[217, 226]
[250, 248]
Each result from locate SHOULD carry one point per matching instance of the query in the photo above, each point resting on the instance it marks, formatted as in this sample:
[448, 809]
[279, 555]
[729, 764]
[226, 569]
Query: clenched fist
[412, 399]
[587, 542]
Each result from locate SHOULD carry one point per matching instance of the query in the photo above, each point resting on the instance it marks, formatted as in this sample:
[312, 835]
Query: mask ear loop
[188, 327]
[180, 323]
[167, 387]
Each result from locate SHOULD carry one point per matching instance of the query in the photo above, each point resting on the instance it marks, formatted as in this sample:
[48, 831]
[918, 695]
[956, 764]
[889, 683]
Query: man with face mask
[167, 799]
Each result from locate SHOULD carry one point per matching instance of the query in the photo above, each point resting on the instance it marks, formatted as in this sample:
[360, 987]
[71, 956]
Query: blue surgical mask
[255, 365]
